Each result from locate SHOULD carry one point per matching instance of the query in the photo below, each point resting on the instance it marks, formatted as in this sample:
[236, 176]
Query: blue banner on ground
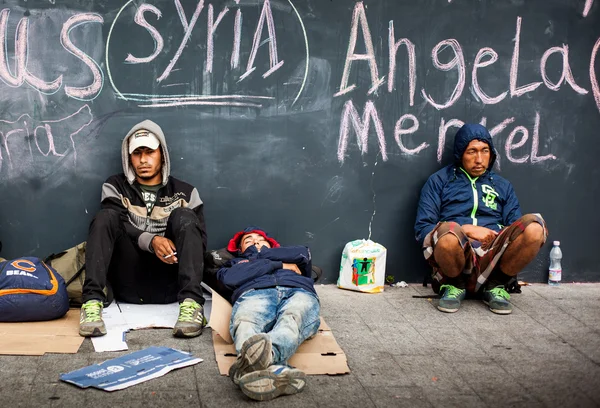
[130, 369]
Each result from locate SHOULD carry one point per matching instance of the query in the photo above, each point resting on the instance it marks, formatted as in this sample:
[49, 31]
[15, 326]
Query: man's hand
[164, 249]
[481, 234]
[292, 267]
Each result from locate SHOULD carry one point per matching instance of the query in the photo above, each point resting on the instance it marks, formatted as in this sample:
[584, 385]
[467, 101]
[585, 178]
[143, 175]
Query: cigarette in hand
[170, 255]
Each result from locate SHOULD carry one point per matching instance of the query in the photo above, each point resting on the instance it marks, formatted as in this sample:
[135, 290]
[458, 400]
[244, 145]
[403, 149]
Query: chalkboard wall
[318, 120]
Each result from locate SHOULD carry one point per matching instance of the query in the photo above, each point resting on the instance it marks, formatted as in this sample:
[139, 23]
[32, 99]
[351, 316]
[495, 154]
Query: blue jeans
[288, 315]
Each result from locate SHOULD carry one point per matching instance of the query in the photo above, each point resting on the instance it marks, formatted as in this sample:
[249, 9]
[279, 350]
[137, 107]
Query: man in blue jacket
[470, 226]
[275, 308]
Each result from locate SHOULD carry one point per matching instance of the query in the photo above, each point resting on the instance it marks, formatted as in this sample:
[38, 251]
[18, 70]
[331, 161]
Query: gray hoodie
[154, 128]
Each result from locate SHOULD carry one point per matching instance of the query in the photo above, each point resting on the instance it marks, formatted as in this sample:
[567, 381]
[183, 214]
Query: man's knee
[106, 218]
[534, 234]
[448, 243]
[183, 218]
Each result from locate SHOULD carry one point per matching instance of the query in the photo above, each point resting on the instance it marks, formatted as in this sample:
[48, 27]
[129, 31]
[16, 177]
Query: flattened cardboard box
[319, 355]
[37, 338]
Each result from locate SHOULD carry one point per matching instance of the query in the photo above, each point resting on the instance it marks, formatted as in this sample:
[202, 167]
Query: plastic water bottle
[555, 273]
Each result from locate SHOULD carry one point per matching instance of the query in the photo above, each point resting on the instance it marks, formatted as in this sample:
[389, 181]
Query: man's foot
[498, 300]
[191, 319]
[451, 298]
[277, 380]
[256, 354]
[90, 319]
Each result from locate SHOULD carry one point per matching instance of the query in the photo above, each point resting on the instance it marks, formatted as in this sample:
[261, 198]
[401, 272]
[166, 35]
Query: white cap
[557, 243]
[143, 138]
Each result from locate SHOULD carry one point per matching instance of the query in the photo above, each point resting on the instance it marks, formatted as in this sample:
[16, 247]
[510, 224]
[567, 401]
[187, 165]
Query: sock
[458, 281]
[498, 278]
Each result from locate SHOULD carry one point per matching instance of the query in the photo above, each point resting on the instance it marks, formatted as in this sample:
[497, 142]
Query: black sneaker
[256, 354]
[451, 298]
[498, 300]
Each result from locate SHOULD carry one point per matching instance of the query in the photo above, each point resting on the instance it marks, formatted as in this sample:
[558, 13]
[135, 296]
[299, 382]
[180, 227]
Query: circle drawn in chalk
[108, 38]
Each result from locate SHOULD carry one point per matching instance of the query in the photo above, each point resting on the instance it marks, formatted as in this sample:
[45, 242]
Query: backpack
[70, 264]
[30, 291]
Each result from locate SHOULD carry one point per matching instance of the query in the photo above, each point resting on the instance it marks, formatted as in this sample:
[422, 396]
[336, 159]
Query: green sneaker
[498, 300]
[90, 319]
[451, 298]
[277, 380]
[256, 354]
[191, 319]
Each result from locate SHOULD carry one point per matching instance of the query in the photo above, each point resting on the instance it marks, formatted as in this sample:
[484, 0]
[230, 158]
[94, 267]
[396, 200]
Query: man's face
[476, 158]
[253, 239]
[147, 164]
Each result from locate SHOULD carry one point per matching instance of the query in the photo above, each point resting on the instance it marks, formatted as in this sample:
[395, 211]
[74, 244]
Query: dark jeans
[138, 276]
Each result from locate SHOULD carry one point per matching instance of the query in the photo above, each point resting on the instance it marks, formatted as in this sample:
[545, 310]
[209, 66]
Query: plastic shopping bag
[362, 267]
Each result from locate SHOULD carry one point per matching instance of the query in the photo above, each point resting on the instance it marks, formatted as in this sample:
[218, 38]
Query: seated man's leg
[515, 247]
[528, 238]
[104, 245]
[253, 315]
[447, 245]
[297, 320]
[183, 228]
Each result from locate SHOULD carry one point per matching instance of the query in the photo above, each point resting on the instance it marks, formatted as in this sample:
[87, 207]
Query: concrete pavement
[402, 352]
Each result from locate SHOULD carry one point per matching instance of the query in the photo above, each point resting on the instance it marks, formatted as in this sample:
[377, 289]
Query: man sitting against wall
[470, 226]
[148, 239]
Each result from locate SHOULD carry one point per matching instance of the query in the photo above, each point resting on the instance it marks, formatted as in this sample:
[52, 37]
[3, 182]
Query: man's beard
[151, 176]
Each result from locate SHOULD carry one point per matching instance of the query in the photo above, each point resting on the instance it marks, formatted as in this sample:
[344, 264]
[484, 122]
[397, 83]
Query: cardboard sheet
[38, 338]
[319, 355]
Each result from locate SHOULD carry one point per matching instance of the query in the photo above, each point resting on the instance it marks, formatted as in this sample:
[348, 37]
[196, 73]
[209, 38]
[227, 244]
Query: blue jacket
[259, 270]
[451, 194]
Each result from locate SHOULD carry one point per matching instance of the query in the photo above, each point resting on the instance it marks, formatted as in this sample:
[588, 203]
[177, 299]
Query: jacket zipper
[475, 196]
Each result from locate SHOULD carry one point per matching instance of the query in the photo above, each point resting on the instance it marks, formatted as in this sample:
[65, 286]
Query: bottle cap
[556, 243]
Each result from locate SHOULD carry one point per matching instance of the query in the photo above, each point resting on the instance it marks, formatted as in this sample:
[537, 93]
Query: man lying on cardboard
[275, 308]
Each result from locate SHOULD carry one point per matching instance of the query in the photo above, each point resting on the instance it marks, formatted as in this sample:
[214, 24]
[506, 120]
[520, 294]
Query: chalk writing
[215, 23]
[24, 140]
[21, 73]
[350, 119]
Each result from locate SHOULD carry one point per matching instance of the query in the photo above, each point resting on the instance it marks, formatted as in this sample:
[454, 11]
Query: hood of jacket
[468, 133]
[154, 128]
[234, 243]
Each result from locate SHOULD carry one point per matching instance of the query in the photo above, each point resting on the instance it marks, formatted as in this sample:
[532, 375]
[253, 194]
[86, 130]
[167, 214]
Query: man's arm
[112, 199]
[242, 271]
[428, 212]
[511, 210]
[197, 206]
[297, 255]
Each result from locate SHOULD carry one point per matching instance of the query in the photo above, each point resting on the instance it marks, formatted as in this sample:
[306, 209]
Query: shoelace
[92, 311]
[186, 311]
[451, 291]
[499, 291]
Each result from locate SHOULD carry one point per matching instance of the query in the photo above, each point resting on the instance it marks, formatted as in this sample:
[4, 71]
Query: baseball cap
[143, 138]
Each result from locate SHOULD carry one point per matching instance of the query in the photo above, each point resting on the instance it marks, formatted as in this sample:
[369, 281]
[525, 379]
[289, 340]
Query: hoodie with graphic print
[122, 193]
[451, 194]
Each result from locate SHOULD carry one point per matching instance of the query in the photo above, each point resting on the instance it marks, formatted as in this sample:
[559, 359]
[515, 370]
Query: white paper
[121, 317]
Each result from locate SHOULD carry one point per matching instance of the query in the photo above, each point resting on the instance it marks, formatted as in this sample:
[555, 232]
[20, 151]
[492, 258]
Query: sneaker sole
[498, 311]
[180, 333]
[256, 353]
[97, 332]
[443, 309]
[266, 385]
